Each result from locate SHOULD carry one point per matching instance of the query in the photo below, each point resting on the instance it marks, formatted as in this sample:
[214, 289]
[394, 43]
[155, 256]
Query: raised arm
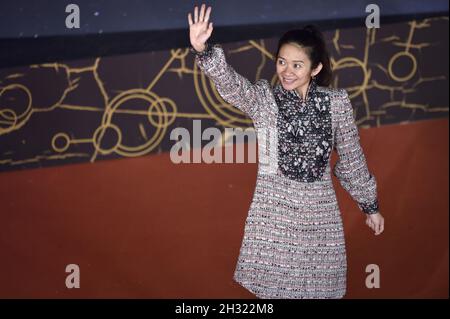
[351, 168]
[232, 87]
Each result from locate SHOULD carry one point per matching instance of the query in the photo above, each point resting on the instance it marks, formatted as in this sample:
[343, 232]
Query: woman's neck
[303, 91]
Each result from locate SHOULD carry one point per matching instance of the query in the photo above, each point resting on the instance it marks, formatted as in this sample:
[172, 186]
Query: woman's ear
[317, 69]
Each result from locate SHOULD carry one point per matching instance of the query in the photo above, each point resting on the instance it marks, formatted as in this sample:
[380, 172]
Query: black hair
[311, 39]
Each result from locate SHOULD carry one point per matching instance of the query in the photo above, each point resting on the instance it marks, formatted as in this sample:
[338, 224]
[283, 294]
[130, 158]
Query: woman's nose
[288, 70]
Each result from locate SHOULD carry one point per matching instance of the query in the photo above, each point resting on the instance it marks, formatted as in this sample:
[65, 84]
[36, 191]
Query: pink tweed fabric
[293, 245]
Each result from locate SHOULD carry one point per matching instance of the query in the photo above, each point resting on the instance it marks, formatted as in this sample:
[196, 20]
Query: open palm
[199, 29]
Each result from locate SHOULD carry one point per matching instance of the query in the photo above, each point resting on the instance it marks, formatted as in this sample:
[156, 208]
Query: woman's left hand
[376, 222]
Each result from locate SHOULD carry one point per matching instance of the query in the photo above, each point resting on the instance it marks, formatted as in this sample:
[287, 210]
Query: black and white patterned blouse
[305, 133]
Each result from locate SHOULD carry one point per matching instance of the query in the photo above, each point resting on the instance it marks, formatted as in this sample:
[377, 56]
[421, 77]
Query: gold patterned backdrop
[126, 106]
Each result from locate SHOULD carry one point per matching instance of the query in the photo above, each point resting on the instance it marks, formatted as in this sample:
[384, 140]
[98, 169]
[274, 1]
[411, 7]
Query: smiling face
[294, 68]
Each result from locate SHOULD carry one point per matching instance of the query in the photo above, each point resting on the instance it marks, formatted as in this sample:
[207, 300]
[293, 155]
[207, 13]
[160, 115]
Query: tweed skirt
[293, 245]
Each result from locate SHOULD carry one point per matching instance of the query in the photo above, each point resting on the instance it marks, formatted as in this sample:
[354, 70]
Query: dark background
[140, 226]
[34, 31]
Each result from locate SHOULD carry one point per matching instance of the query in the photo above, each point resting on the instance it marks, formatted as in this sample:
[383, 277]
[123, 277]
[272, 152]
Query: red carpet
[147, 228]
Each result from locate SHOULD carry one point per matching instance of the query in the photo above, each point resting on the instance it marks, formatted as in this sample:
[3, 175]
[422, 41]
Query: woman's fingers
[371, 224]
[381, 226]
[208, 12]
[195, 14]
[210, 28]
[377, 225]
[377, 229]
[204, 16]
[202, 13]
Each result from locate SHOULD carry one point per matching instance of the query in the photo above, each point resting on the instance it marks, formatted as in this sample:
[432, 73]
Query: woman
[293, 245]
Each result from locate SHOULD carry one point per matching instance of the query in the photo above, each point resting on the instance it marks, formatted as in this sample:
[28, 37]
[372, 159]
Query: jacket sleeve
[351, 168]
[232, 87]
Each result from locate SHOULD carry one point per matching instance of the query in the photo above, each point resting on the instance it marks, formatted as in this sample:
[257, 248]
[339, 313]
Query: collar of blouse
[291, 102]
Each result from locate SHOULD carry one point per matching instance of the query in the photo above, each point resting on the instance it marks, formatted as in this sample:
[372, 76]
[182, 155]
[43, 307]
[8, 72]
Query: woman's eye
[297, 66]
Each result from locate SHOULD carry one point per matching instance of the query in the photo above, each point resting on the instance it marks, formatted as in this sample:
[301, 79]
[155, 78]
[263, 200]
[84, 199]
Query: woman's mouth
[288, 80]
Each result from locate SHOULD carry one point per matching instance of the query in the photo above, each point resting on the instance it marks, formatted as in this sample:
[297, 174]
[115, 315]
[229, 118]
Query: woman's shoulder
[339, 98]
[263, 86]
